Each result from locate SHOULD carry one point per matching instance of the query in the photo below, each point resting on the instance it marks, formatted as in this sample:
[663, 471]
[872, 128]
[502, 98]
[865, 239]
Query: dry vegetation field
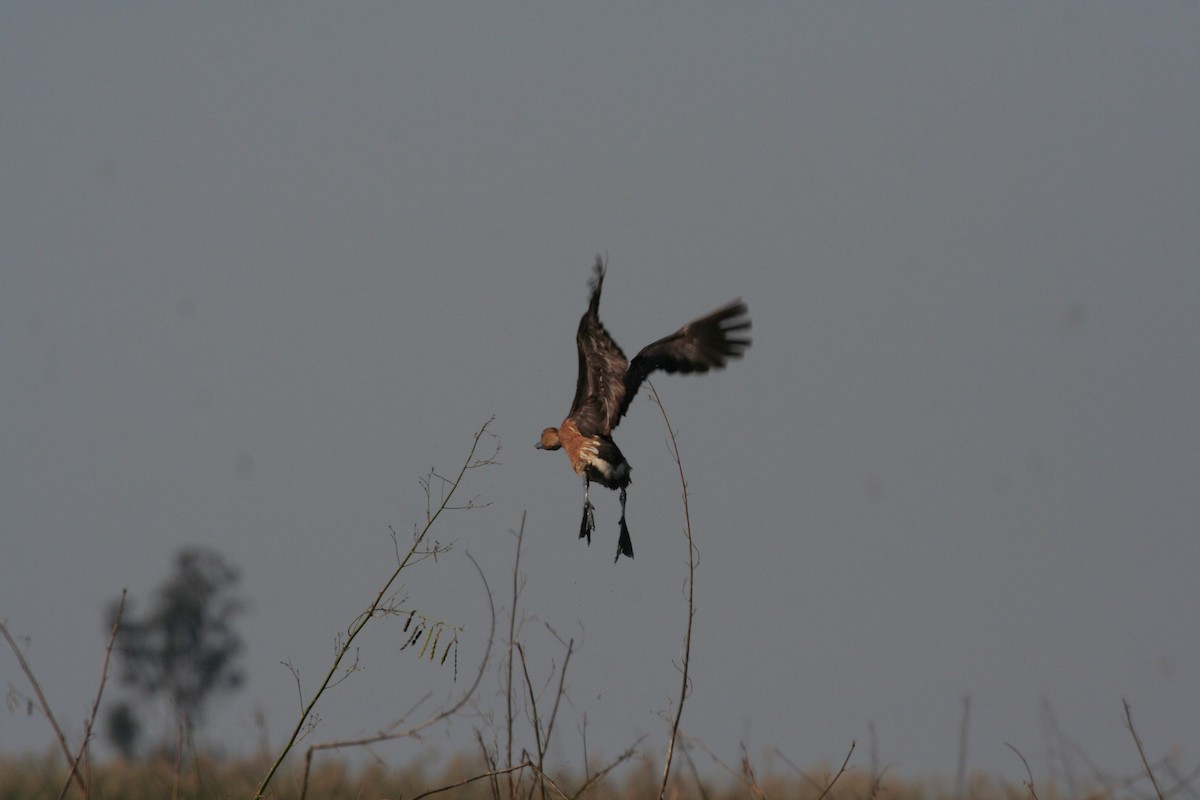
[520, 761]
[202, 778]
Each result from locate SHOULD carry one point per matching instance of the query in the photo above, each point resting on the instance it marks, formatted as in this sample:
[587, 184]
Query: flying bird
[608, 382]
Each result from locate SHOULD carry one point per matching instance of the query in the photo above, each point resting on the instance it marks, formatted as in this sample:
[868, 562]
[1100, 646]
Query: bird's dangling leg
[589, 520]
[624, 543]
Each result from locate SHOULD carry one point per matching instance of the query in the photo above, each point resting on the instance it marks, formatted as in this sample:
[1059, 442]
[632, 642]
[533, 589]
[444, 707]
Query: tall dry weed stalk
[379, 605]
[79, 762]
[685, 667]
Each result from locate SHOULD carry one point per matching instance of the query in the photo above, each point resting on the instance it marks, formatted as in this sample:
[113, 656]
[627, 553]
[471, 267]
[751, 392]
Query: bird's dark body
[608, 382]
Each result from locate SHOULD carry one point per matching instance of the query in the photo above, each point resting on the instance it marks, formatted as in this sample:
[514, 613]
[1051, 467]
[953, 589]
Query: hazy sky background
[262, 266]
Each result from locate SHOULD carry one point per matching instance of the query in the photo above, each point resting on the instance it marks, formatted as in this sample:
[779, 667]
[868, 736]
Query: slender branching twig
[691, 594]
[813, 783]
[37, 689]
[558, 696]
[691, 762]
[694, 742]
[391, 733]
[508, 681]
[489, 774]
[91, 720]
[1028, 771]
[449, 488]
[539, 745]
[548, 780]
[592, 780]
[490, 761]
[840, 772]
[1141, 752]
[750, 778]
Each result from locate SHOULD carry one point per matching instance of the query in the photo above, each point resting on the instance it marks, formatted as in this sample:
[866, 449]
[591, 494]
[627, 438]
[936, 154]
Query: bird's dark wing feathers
[703, 344]
[600, 388]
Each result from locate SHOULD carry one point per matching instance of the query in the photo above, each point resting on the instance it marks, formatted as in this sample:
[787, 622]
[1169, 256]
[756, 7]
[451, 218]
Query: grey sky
[262, 267]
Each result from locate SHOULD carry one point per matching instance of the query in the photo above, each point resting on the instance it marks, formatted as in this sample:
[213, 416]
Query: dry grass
[496, 771]
[35, 778]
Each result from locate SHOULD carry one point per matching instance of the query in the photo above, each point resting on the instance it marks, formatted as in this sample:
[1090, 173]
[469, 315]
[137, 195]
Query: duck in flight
[608, 382]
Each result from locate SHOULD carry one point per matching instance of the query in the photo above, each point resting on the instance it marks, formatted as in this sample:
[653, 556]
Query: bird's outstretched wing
[600, 387]
[702, 344]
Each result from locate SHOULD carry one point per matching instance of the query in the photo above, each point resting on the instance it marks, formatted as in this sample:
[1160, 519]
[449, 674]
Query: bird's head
[549, 440]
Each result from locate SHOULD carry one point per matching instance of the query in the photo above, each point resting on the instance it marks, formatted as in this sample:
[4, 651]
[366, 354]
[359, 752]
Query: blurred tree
[123, 729]
[186, 648]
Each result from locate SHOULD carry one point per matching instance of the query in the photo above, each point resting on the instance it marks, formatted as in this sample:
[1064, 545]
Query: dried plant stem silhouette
[746, 774]
[491, 774]
[826, 785]
[691, 593]
[691, 762]
[377, 605]
[85, 746]
[524, 697]
[548, 781]
[76, 775]
[1028, 772]
[542, 728]
[542, 739]
[602, 773]
[393, 732]
[512, 639]
[749, 778]
[37, 690]
[79, 777]
[1137, 740]
[840, 772]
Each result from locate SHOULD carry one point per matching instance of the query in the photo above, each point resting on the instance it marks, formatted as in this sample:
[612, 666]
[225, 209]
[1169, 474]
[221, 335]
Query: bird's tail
[597, 283]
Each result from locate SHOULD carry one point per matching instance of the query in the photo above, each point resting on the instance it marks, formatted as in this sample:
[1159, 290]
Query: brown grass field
[37, 778]
[519, 762]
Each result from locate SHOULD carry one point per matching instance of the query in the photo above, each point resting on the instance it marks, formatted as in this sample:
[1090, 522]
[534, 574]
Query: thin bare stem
[490, 774]
[840, 772]
[1028, 771]
[691, 593]
[37, 689]
[392, 734]
[599, 776]
[751, 779]
[1141, 752]
[548, 780]
[562, 677]
[734, 773]
[91, 720]
[691, 762]
[539, 745]
[491, 763]
[508, 672]
[361, 621]
[512, 634]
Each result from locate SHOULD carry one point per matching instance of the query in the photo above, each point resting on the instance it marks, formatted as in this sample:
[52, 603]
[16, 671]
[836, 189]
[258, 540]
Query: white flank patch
[602, 466]
[608, 471]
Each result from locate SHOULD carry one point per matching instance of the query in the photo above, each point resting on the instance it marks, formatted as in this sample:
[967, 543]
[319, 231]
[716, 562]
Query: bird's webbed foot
[588, 523]
[624, 542]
